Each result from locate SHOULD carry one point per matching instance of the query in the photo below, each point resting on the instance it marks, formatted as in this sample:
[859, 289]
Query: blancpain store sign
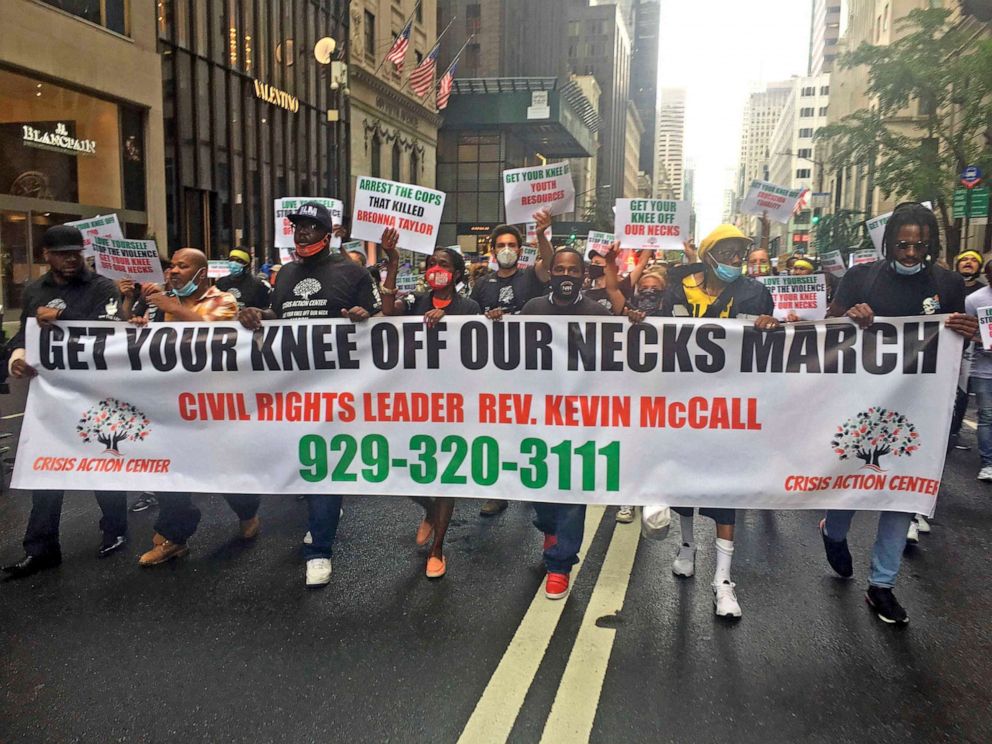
[59, 141]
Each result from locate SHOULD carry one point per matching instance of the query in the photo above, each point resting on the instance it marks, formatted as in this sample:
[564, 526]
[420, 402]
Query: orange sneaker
[436, 567]
[556, 586]
[424, 532]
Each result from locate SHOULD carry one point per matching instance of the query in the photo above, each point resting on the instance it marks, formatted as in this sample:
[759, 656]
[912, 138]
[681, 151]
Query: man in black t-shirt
[247, 289]
[320, 284]
[905, 282]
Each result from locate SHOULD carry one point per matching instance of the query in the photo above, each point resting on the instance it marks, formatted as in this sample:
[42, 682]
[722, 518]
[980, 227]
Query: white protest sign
[286, 255]
[526, 190]
[778, 201]
[863, 256]
[128, 259]
[985, 325]
[833, 263]
[415, 211]
[652, 224]
[866, 412]
[598, 242]
[804, 297]
[406, 280]
[287, 205]
[106, 226]
[876, 227]
[218, 269]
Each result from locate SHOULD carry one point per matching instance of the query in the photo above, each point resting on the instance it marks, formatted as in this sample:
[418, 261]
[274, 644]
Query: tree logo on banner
[307, 288]
[111, 422]
[874, 433]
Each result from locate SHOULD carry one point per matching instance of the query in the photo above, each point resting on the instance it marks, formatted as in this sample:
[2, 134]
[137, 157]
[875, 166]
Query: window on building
[112, 14]
[472, 59]
[369, 34]
[473, 18]
[420, 12]
[375, 156]
[802, 172]
[805, 152]
[419, 56]
[806, 132]
[807, 111]
[824, 90]
[885, 18]
[414, 166]
[823, 111]
[809, 90]
[396, 162]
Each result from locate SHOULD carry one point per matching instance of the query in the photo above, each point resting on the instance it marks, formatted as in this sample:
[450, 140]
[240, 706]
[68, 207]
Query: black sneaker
[838, 555]
[147, 501]
[886, 606]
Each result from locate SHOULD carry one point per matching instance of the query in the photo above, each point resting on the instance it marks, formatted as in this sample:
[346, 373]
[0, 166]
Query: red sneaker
[549, 542]
[556, 586]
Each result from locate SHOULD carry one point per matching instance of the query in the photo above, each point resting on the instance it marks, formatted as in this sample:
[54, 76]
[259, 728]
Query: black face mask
[565, 287]
[596, 271]
[648, 300]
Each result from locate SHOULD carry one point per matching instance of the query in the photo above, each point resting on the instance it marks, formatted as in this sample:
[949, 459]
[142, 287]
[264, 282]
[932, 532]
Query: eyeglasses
[920, 247]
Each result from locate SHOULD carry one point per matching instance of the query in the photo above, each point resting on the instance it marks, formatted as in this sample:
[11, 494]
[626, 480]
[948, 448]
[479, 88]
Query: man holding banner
[69, 291]
[320, 284]
[906, 282]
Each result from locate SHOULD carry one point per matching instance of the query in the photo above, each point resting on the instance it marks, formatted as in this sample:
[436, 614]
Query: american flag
[397, 53]
[444, 89]
[422, 79]
[803, 201]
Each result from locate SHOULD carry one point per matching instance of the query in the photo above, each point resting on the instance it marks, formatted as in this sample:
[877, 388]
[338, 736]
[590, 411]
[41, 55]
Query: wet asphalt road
[227, 646]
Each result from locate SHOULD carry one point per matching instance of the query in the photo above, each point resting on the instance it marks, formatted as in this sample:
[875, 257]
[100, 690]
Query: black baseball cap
[62, 238]
[313, 211]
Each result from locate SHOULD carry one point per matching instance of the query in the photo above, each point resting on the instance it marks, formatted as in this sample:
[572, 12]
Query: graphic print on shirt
[110, 309]
[304, 289]
[58, 303]
[506, 295]
[931, 305]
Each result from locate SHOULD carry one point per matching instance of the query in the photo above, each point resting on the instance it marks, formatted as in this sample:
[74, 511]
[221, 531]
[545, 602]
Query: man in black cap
[319, 284]
[69, 291]
[247, 289]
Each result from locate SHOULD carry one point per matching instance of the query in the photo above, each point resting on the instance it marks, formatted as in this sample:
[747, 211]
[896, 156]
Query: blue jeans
[890, 542]
[982, 388]
[566, 522]
[324, 514]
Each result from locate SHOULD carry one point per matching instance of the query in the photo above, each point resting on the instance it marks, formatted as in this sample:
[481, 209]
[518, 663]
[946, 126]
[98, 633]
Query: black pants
[42, 533]
[178, 516]
[960, 408]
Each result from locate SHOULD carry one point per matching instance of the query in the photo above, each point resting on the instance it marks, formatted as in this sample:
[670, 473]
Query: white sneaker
[725, 602]
[913, 535]
[318, 572]
[625, 514]
[685, 561]
[985, 474]
[922, 524]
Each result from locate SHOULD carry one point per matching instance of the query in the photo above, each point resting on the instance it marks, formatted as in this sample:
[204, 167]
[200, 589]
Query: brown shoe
[250, 528]
[493, 507]
[162, 553]
[158, 539]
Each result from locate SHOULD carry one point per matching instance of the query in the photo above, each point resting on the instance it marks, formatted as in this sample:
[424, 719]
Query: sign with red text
[652, 224]
[777, 201]
[798, 297]
[863, 256]
[415, 211]
[598, 242]
[392, 407]
[985, 325]
[106, 226]
[218, 269]
[128, 259]
[287, 205]
[833, 263]
[527, 190]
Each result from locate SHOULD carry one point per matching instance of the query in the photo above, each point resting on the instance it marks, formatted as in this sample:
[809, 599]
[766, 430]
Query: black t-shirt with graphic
[88, 296]
[510, 293]
[600, 295]
[546, 306]
[321, 288]
[248, 290]
[891, 295]
[421, 304]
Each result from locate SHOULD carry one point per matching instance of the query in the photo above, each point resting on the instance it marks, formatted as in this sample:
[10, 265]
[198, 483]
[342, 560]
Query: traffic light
[815, 220]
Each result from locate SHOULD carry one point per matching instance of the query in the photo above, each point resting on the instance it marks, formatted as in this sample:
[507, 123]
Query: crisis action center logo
[111, 423]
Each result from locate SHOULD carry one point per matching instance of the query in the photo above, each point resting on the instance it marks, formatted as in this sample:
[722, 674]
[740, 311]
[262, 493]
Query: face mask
[189, 288]
[725, 272]
[234, 268]
[564, 287]
[907, 270]
[313, 249]
[596, 271]
[438, 278]
[648, 300]
[506, 258]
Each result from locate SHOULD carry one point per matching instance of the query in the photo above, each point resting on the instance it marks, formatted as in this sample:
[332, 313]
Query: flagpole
[402, 28]
[437, 43]
[451, 66]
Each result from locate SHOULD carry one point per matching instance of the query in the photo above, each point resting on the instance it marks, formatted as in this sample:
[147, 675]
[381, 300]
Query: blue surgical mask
[235, 268]
[189, 288]
[907, 270]
[727, 273]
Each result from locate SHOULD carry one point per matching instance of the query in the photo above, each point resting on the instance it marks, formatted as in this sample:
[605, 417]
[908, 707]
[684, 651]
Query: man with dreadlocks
[905, 282]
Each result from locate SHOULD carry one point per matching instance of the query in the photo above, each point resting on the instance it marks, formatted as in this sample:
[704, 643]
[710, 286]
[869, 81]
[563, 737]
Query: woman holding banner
[445, 270]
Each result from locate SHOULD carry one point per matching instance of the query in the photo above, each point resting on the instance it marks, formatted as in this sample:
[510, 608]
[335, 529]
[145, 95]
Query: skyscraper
[824, 32]
[670, 155]
[644, 76]
[761, 115]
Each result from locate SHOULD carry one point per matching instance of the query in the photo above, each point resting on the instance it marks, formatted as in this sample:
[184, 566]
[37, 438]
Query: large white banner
[287, 205]
[415, 212]
[652, 224]
[691, 412]
[778, 202]
[527, 190]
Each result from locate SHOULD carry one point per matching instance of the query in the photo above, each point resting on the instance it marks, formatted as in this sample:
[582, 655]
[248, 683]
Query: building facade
[77, 137]
[644, 77]
[632, 153]
[824, 33]
[670, 156]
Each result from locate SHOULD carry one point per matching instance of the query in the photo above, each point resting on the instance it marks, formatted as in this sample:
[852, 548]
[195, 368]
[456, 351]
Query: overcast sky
[719, 50]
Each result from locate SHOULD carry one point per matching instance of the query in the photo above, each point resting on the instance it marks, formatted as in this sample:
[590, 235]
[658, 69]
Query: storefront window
[110, 14]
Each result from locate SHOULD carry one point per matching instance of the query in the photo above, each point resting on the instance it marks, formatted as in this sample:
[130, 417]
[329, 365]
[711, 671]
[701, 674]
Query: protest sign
[804, 297]
[876, 228]
[598, 242]
[287, 205]
[415, 211]
[985, 325]
[527, 190]
[392, 407]
[106, 226]
[286, 255]
[833, 263]
[218, 269]
[863, 256]
[128, 259]
[652, 224]
[778, 201]
[406, 280]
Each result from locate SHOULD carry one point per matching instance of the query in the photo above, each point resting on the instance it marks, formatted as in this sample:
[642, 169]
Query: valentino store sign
[276, 97]
[59, 141]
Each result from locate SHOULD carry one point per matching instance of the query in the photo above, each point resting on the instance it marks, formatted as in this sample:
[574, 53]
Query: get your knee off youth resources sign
[684, 411]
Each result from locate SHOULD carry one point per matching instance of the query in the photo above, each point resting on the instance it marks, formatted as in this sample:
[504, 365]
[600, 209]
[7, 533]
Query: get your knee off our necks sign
[685, 411]
[652, 224]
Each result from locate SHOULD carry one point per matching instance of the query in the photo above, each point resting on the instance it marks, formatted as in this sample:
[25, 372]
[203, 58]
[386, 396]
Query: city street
[228, 646]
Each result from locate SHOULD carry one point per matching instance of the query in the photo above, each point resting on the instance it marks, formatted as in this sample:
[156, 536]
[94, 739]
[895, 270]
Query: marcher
[980, 380]
[190, 298]
[68, 291]
[758, 263]
[248, 290]
[562, 524]
[356, 252]
[969, 265]
[329, 286]
[905, 282]
[445, 269]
